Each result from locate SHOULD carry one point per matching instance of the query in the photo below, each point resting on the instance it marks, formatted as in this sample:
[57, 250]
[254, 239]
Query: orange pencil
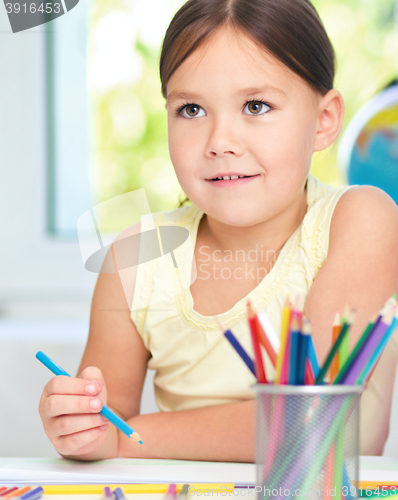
[334, 367]
[18, 492]
[258, 365]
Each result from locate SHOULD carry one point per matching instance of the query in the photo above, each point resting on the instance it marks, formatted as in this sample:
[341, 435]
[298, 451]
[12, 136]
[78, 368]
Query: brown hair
[290, 30]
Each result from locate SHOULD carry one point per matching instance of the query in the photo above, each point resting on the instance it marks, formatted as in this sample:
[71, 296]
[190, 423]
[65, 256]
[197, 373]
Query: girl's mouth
[231, 180]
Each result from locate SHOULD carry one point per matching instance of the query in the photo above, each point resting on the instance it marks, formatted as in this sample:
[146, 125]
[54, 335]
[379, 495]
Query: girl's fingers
[81, 442]
[70, 385]
[92, 373]
[56, 405]
[65, 425]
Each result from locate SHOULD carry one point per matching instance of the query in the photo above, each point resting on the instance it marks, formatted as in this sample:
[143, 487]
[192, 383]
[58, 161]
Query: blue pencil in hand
[106, 412]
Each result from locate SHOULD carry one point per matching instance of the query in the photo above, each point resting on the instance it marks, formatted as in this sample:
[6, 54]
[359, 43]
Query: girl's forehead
[229, 55]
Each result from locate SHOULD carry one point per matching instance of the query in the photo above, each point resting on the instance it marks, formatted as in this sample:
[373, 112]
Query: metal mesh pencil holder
[307, 441]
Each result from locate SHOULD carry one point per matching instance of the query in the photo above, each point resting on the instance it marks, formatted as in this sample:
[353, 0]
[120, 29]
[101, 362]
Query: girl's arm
[115, 359]
[361, 270]
[224, 433]
[117, 350]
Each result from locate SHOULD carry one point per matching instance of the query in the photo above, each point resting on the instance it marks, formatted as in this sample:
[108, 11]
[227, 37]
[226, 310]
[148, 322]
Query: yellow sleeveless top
[195, 364]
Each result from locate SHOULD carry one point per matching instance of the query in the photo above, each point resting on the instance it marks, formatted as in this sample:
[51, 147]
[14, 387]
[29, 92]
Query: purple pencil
[368, 348]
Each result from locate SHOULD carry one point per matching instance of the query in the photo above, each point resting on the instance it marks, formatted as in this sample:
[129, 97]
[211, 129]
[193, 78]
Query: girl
[249, 95]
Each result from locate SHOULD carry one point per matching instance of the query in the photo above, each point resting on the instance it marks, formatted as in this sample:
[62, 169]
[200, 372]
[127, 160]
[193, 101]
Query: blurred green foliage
[130, 122]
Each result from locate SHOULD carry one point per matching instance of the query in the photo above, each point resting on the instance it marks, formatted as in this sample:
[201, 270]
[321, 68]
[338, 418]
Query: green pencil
[355, 351]
[344, 348]
[335, 347]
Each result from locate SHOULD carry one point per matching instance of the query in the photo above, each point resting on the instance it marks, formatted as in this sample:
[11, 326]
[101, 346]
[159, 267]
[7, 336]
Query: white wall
[39, 276]
[23, 377]
[45, 292]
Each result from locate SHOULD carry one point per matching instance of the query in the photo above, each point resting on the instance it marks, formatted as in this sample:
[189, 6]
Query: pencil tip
[141, 441]
[352, 316]
[306, 326]
[250, 311]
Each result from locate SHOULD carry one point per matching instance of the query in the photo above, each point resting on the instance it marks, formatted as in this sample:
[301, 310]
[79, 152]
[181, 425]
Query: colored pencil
[294, 350]
[108, 492]
[286, 313]
[237, 346]
[264, 340]
[345, 345]
[97, 489]
[378, 352]
[269, 330]
[184, 492]
[32, 494]
[329, 468]
[171, 492]
[364, 338]
[368, 348]
[339, 459]
[302, 356]
[335, 347]
[17, 493]
[8, 491]
[334, 367]
[356, 349]
[258, 366]
[311, 352]
[106, 412]
[119, 493]
[4, 491]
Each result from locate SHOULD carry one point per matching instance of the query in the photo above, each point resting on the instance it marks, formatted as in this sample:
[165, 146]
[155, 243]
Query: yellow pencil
[94, 489]
[286, 313]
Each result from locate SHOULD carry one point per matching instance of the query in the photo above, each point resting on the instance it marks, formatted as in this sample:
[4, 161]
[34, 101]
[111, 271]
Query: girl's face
[234, 110]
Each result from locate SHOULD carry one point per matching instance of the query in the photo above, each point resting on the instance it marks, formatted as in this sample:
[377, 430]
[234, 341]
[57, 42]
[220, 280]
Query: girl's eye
[256, 107]
[191, 111]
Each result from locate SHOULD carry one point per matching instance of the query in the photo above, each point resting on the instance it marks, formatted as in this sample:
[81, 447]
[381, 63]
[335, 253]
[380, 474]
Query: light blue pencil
[106, 412]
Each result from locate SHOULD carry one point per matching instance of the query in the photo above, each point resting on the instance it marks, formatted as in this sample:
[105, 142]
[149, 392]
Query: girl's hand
[69, 408]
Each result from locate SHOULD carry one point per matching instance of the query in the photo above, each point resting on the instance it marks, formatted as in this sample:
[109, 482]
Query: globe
[368, 151]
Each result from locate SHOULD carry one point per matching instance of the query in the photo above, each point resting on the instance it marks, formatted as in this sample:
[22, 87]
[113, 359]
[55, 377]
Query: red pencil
[263, 339]
[259, 366]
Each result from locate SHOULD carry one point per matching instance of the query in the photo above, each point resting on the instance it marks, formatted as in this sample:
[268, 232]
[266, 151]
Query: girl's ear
[330, 117]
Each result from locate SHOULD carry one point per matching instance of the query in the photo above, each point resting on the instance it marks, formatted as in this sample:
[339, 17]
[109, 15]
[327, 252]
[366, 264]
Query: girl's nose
[223, 140]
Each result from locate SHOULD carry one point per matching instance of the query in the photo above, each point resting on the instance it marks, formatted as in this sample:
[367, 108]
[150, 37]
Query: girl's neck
[271, 234]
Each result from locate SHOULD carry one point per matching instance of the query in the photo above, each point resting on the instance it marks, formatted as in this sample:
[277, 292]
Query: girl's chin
[238, 218]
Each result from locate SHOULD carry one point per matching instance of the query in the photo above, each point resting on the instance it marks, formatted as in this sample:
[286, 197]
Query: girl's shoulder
[365, 215]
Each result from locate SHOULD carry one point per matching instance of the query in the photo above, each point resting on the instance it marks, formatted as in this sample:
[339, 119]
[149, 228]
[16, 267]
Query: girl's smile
[229, 180]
